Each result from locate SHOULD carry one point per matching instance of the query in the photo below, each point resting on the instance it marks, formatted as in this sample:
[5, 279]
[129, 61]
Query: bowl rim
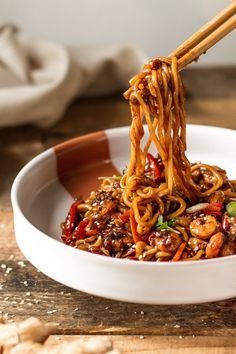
[100, 258]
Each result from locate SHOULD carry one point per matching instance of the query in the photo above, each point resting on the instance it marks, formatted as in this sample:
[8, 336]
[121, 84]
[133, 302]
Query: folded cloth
[39, 79]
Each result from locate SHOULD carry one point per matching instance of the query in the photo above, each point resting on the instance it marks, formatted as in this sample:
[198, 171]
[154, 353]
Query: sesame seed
[76, 309]
[141, 337]
[3, 266]
[142, 313]
[28, 293]
[180, 337]
[176, 326]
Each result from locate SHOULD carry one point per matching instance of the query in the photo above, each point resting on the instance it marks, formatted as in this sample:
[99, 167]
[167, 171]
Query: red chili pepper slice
[80, 229]
[70, 220]
[156, 170]
[214, 209]
[92, 232]
[124, 217]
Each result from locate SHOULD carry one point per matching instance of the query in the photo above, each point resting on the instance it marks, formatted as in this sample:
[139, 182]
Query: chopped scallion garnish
[168, 225]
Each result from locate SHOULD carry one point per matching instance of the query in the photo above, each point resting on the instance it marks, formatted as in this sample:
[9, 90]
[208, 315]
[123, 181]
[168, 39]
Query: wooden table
[206, 328]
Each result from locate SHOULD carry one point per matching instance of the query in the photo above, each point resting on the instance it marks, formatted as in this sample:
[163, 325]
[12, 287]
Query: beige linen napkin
[39, 79]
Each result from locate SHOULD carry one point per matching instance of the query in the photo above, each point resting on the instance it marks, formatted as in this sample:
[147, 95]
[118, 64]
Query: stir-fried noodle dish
[162, 207]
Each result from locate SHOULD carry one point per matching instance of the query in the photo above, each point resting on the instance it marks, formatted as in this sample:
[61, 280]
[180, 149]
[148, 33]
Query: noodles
[162, 208]
[157, 97]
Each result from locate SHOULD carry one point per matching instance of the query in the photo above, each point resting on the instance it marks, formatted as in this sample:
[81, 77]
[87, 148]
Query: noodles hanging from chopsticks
[156, 98]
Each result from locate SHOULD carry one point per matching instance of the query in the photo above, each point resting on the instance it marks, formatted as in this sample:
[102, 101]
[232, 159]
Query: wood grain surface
[24, 291]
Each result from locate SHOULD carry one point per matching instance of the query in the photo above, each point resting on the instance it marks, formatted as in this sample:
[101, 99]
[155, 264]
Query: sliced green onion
[168, 225]
[231, 209]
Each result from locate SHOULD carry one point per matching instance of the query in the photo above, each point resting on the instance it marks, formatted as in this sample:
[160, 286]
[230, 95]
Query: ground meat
[228, 249]
[116, 241]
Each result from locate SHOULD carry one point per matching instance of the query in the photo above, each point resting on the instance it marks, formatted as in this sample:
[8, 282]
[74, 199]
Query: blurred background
[155, 26]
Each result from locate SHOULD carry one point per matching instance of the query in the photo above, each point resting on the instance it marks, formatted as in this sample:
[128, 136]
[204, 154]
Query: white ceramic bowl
[44, 189]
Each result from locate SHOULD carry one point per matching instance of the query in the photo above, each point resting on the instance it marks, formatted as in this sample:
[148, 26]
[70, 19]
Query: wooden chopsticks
[206, 36]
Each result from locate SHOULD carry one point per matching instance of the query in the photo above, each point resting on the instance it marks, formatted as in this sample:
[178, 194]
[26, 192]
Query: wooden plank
[24, 291]
[84, 117]
[163, 345]
[6, 180]
[220, 112]
[9, 248]
[18, 145]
